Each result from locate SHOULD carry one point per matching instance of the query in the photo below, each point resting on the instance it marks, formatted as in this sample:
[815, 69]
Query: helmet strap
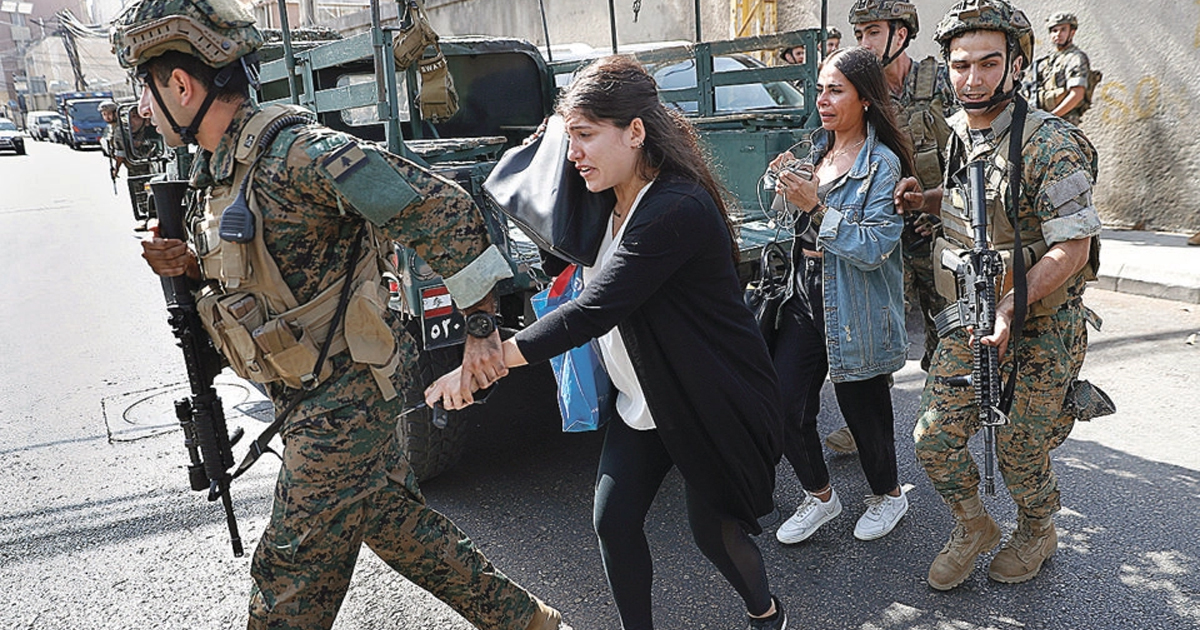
[188, 134]
[887, 59]
[999, 96]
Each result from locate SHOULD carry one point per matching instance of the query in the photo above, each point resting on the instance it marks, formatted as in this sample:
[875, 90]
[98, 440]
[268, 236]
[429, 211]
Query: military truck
[145, 153]
[83, 125]
[506, 88]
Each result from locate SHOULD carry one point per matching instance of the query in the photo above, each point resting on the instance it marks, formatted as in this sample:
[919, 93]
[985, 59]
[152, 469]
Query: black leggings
[802, 362]
[633, 465]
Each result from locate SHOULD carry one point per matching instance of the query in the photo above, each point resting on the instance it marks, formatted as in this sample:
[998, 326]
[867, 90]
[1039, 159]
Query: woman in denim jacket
[844, 314]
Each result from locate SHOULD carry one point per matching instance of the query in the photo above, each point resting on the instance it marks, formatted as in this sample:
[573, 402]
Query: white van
[38, 124]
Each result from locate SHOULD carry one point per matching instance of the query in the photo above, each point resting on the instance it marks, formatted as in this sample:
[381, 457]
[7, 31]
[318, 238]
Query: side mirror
[142, 140]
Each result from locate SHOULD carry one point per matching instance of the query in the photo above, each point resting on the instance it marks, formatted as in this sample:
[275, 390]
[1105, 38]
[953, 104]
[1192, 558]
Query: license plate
[442, 324]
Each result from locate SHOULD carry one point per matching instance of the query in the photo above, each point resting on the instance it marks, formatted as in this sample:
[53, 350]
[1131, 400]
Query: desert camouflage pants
[1052, 350]
[920, 292]
[343, 484]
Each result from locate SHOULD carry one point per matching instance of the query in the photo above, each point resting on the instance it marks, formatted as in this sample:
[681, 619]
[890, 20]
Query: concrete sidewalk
[1154, 264]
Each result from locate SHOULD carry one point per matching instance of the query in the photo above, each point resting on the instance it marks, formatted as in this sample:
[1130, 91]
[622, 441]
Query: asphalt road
[99, 531]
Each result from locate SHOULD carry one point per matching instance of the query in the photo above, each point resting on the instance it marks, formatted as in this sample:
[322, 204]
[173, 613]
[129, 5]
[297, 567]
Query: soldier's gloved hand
[169, 257]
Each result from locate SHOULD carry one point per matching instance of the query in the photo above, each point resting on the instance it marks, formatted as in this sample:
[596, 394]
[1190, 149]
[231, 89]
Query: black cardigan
[673, 290]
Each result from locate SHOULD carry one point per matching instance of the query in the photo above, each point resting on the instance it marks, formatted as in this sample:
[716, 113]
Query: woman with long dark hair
[695, 386]
[844, 314]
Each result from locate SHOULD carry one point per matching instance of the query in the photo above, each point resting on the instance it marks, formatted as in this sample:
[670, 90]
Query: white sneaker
[810, 516]
[883, 512]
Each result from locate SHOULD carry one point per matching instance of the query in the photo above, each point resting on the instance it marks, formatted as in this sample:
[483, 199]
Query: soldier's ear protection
[237, 221]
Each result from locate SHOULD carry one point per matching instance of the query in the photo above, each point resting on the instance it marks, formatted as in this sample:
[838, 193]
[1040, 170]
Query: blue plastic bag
[586, 396]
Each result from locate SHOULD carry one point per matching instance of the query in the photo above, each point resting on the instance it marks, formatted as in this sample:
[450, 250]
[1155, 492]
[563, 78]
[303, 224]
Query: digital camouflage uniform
[1058, 166]
[344, 480]
[136, 175]
[1056, 74]
[315, 192]
[921, 108]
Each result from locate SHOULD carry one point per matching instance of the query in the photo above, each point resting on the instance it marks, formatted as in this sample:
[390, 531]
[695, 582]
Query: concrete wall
[579, 21]
[1149, 52]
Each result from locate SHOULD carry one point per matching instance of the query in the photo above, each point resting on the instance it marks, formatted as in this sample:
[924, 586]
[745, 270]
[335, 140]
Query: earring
[639, 145]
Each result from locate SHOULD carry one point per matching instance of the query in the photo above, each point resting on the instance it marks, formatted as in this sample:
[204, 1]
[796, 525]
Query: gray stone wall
[1144, 111]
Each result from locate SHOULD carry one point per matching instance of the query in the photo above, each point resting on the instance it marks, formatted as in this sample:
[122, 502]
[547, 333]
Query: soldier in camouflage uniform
[986, 43]
[268, 300]
[1061, 78]
[136, 172]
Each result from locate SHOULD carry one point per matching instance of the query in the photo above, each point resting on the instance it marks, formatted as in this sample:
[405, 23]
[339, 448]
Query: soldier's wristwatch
[481, 325]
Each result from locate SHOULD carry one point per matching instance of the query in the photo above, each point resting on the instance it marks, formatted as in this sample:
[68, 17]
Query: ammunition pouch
[925, 124]
[1050, 96]
[439, 100]
[1085, 401]
[947, 286]
[256, 321]
[285, 347]
[411, 41]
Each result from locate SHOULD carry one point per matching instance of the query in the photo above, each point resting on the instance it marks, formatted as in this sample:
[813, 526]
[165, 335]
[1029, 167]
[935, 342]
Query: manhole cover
[149, 412]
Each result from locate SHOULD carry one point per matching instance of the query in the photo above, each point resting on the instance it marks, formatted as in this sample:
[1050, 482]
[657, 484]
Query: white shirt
[631, 400]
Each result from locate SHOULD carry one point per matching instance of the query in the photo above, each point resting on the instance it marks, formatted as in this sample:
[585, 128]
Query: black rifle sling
[261, 444]
[1020, 287]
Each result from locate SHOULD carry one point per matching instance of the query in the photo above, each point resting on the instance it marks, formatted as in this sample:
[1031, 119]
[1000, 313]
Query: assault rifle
[976, 273]
[112, 171]
[201, 415]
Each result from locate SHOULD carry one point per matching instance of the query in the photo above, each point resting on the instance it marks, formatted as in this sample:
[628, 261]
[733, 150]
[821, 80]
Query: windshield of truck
[85, 111]
[368, 115]
[48, 120]
[7, 125]
[730, 98]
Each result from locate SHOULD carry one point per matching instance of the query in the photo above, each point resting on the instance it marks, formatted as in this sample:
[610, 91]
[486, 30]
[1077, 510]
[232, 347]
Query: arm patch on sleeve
[363, 177]
[1074, 188]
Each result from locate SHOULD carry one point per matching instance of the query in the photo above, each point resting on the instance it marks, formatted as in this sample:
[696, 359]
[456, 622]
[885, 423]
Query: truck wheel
[430, 450]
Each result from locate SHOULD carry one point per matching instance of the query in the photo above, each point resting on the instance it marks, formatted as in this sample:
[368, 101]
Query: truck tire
[432, 451]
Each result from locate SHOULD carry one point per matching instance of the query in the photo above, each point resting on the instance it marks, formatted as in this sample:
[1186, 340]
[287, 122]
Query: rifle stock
[977, 273]
[201, 416]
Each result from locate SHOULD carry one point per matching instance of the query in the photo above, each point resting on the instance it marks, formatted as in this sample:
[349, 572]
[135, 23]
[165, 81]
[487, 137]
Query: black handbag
[540, 190]
[765, 294]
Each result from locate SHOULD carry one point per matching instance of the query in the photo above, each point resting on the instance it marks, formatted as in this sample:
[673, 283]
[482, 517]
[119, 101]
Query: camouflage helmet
[107, 105]
[986, 15]
[218, 32]
[865, 11]
[1062, 17]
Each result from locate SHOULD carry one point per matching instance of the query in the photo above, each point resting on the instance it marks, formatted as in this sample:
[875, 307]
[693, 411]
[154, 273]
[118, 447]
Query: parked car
[11, 138]
[40, 124]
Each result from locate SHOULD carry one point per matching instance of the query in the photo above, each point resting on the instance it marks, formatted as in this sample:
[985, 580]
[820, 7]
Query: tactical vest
[252, 315]
[925, 126]
[957, 235]
[1052, 88]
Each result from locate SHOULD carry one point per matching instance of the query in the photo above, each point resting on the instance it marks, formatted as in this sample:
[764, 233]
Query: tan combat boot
[975, 533]
[841, 441]
[1026, 550]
